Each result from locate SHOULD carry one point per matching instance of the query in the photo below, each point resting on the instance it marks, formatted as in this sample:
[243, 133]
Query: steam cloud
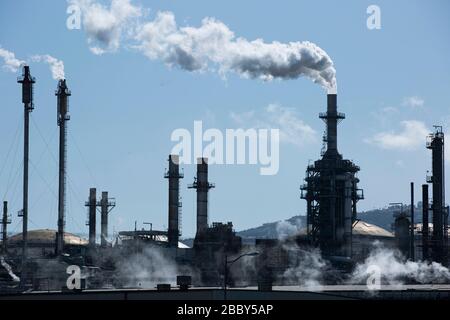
[307, 269]
[210, 47]
[286, 229]
[11, 63]
[395, 271]
[214, 44]
[104, 26]
[148, 268]
[56, 66]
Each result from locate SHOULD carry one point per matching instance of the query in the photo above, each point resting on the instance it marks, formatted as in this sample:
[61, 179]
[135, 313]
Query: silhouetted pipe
[5, 226]
[425, 231]
[104, 219]
[92, 204]
[173, 174]
[412, 255]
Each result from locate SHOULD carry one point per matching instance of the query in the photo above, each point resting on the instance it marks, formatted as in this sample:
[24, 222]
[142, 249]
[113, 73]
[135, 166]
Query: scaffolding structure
[331, 192]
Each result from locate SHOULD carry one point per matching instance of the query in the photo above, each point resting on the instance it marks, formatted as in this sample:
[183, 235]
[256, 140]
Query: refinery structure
[36, 261]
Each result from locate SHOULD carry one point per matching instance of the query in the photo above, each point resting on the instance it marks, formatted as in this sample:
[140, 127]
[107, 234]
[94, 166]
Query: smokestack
[425, 232]
[202, 185]
[5, 222]
[63, 116]
[412, 255]
[106, 205]
[27, 82]
[92, 205]
[331, 118]
[104, 219]
[436, 144]
[174, 176]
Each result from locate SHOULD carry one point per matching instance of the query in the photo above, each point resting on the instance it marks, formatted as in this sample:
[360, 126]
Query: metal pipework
[174, 176]
[63, 116]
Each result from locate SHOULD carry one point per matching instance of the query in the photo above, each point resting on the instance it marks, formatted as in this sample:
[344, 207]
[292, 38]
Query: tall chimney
[105, 205]
[63, 116]
[5, 222]
[92, 205]
[425, 231]
[174, 176]
[331, 118]
[202, 185]
[436, 144]
[27, 82]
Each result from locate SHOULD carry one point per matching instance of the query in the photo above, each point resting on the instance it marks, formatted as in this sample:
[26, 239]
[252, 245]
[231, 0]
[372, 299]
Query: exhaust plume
[11, 63]
[56, 66]
[210, 47]
[105, 26]
[213, 45]
[396, 271]
[288, 228]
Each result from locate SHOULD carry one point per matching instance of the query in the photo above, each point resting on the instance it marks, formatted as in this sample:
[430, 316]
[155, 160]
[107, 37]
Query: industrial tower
[439, 236]
[331, 192]
[63, 93]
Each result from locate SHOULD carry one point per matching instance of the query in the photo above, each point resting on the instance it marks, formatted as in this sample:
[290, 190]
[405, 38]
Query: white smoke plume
[394, 270]
[11, 63]
[213, 45]
[56, 66]
[105, 27]
[210, 47]
[286, 229]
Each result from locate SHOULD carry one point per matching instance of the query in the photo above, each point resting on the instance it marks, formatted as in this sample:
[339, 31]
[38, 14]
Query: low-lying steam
[394, 270]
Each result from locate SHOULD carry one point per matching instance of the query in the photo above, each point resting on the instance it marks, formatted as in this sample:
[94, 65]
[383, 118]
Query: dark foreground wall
[236, 294]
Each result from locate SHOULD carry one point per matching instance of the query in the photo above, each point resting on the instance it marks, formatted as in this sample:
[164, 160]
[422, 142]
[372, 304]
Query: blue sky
[125, 106]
